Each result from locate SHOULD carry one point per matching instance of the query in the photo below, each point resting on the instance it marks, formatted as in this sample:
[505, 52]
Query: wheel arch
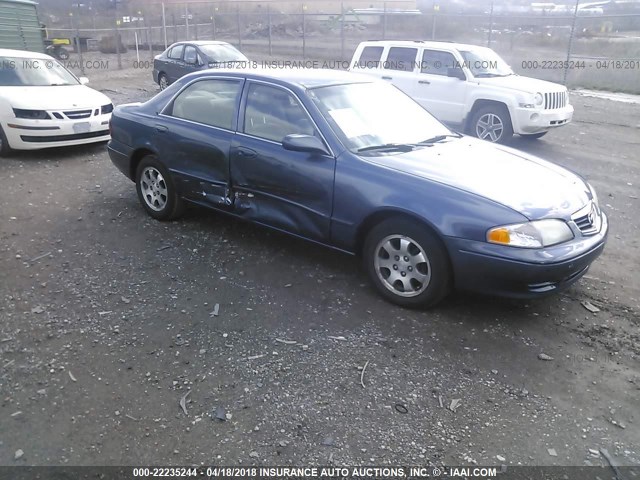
[136, 158]
[379, 216]
[483, 102]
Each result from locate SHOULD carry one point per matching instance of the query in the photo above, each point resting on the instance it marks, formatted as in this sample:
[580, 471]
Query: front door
[443, 96]
[291, 191]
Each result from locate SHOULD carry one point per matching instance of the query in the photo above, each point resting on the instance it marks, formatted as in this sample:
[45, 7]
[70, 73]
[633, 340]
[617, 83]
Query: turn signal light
[499, 235]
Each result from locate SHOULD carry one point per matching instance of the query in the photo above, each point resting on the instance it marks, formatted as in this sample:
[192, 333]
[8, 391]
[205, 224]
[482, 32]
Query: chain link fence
[588, 50]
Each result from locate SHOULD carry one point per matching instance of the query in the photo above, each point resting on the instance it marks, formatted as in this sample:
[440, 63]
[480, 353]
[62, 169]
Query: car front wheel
[156, 190]
[407, 263]
[5, 149]
[492, 123]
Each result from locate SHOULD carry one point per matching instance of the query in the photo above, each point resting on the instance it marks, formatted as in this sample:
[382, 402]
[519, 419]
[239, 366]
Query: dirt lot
[106, 324]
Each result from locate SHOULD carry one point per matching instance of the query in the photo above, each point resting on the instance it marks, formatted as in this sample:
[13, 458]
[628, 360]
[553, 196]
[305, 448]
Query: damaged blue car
[356, 165]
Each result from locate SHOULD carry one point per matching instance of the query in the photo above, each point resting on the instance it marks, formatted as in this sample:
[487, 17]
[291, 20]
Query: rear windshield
[33, 72]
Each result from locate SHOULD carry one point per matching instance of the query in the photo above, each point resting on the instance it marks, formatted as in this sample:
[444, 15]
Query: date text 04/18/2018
[600, 64]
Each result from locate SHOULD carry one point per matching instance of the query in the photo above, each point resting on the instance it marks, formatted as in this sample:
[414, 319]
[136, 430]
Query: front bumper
[530, 121]
[522, 272]
[26, 134]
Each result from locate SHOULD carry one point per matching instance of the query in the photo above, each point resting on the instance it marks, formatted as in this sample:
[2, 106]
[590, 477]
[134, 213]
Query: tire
[163, 81]
[533, 136]
[400, 245]
[62, 53]
[5, 149]
[492, 123]
[156, 190]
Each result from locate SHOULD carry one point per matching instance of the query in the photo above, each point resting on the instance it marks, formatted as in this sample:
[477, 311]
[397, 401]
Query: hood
[529, 185]
[521, 84]
[64, 97]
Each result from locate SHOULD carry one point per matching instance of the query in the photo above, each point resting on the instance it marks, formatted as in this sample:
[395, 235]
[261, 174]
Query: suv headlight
[594, 195]
[536, 234]
[534, 101]
[538, 99]
[106, 109]
[31, 114]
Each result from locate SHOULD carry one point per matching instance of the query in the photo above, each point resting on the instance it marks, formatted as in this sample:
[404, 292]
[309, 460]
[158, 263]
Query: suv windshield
[375, 114]
[222, 53]
[484, 62]
[33, 72]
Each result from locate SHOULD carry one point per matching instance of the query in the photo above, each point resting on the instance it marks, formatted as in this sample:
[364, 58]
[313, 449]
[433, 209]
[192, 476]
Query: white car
[468, 87]
[44, 105]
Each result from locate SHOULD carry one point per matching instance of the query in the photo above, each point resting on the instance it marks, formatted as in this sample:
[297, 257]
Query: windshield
[484, 62]
[33, 72]
[222, 53]
[374, 114]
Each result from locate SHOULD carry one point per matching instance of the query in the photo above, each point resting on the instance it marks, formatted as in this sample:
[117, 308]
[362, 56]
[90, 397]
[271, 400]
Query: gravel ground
[111, 354]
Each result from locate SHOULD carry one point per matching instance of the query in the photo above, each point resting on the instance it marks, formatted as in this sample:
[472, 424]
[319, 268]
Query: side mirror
[83, 80]
[297, 142]
[456, 73]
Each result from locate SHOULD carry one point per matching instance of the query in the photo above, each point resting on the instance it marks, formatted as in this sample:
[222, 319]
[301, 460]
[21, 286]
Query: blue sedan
[354, 164]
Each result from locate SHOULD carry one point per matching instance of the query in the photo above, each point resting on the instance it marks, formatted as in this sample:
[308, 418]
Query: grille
[587, 219]
[555, 100]
[64, 138]
[77, 114]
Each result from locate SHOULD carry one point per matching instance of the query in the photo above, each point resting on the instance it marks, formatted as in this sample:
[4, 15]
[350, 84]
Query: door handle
[246, 152]
[387, 78]
[424, 82]
[161, 128]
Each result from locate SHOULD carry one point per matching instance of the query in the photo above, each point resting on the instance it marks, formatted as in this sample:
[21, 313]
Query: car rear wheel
[533, 136]
[492, 123]
[5, 149]
[156, 190]
[163, 81]
[62, 53]
[407, 263]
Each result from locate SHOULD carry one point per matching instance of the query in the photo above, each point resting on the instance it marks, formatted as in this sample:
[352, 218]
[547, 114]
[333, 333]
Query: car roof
[200, 42]
[423, 43]
[302, 77]
[6, 52]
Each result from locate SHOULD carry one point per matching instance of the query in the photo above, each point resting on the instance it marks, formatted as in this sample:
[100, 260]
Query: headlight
[106, 109]
[538, 99]
[540, 233]
[31, 114]
[594, 195]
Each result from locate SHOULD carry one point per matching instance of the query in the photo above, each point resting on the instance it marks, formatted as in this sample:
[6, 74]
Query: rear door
[190, 57]
[399, 67]
[193, 137]
[291, 191]
[174, 63]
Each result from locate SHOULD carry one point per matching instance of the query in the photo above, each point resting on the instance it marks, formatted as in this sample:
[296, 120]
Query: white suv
[468, 87]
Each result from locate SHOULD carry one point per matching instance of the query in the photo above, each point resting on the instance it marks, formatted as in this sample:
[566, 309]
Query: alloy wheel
[154, 189]
[489, 127]
[402, 265]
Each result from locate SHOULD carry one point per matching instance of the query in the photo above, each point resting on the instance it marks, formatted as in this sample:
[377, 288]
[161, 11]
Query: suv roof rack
[414, 41]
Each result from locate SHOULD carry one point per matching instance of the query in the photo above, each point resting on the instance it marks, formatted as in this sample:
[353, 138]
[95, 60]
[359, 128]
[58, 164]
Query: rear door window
[190, 55]
[370, 57]
[401, 58]
[211, 102]
[176, 52]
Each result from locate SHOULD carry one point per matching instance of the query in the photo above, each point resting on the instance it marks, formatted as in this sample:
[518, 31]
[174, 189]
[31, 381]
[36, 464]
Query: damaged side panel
[292, 191]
